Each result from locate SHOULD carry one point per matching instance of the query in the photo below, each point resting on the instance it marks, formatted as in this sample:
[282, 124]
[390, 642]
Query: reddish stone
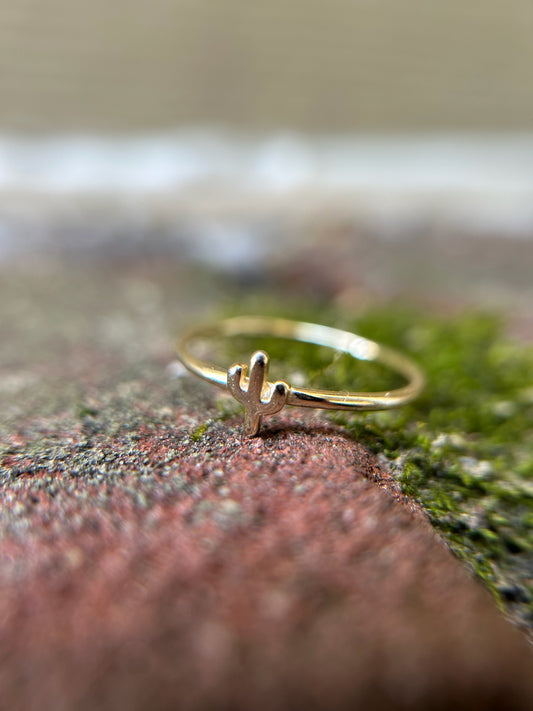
[281, 572]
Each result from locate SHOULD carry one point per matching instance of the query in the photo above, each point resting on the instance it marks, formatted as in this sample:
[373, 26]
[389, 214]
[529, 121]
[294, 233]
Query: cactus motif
[258, 396]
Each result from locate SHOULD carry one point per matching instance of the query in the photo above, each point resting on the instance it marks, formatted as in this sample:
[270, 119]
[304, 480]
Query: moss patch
[199, 431]
[464, 449]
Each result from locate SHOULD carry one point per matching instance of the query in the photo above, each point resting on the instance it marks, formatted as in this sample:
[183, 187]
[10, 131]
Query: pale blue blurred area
[198, 191]
[485, 163]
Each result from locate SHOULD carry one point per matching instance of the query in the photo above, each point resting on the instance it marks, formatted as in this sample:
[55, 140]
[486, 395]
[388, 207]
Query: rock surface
[150, 556]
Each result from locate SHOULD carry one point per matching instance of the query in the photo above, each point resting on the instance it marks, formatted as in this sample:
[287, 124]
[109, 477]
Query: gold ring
[261, 397]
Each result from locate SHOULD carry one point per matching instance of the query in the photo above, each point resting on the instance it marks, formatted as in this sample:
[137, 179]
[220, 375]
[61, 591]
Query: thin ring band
[262, 397]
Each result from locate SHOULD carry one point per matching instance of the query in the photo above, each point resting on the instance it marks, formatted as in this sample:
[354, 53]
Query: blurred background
[384, 145]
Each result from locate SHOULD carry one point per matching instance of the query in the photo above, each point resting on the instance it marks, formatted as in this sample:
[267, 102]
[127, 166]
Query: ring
[261, 397]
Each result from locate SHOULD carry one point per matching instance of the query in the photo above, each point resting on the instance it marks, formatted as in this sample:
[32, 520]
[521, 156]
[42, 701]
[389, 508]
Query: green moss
[199, 431]
[464, 449]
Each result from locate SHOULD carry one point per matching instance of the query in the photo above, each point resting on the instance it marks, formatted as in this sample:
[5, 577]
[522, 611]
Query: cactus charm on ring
[259, 397]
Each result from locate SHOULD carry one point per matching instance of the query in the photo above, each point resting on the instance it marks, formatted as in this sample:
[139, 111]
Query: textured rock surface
[149, 560]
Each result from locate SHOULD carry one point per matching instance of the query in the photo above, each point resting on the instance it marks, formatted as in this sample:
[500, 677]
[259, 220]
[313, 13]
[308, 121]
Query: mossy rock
[464, 449]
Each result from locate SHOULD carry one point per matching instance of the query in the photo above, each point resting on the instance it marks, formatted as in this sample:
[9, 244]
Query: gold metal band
[261, 397]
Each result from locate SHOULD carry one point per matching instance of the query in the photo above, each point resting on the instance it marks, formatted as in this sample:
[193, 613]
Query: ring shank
[342, 341]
